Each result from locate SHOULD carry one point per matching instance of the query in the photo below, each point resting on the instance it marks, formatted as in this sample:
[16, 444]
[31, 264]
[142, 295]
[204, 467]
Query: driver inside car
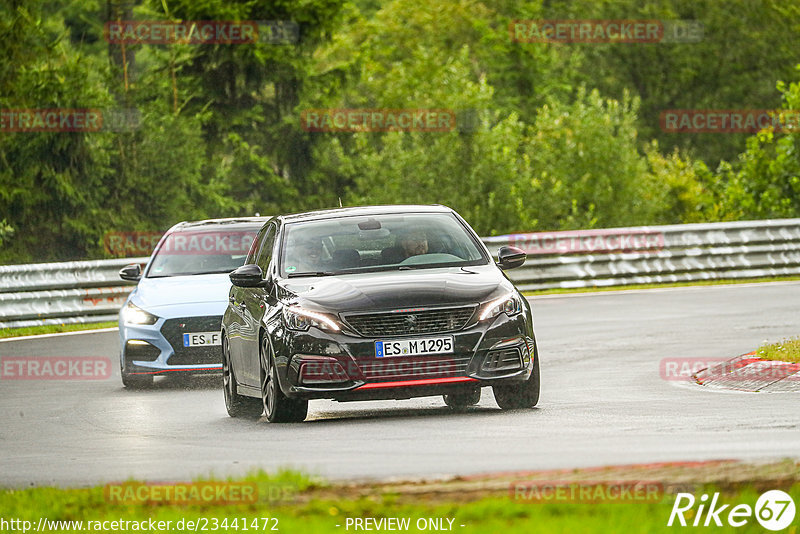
[308, 256]
[414, 243]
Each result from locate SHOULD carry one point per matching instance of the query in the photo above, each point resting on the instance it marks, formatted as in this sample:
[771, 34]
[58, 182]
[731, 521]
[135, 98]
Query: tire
[237, 405]
[277, 407]
[134, 381]
[519, 396]
[459, 401]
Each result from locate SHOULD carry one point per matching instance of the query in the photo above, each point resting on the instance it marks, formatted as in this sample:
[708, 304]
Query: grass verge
[52, 329]
[722, 281]
[292, 502]
[787, 350]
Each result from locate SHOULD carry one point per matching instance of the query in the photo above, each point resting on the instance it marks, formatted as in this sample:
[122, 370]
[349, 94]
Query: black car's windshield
[204, 251]
[377, 242]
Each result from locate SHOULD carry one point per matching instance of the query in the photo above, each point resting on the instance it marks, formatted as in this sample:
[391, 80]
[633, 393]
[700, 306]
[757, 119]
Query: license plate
[414, 347]
[201, 339]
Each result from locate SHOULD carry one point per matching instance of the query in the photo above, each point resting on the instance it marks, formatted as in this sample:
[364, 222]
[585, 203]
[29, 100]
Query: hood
[400, 289]
[153, 293]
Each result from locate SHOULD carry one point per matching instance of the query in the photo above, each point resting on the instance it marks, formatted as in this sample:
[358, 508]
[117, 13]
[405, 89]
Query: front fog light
[322, 372]
[133, 314]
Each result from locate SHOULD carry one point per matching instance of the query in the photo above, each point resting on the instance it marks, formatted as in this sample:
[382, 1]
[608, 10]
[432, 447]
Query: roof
[230, 222]
[365, 211]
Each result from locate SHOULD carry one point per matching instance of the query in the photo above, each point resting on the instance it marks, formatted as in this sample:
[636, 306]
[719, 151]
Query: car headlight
[298, 318]
[510, 304]
[133, 314]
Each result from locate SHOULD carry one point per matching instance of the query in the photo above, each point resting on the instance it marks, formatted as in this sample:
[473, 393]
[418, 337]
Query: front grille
[173, 330]
[402, 323]
[504, 360]
[415, 367]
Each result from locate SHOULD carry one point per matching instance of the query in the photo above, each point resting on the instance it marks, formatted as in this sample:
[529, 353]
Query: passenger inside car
[346, 258]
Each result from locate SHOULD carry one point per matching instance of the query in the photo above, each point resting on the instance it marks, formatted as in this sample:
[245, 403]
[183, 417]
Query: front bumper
[317, 364]
[158, 348]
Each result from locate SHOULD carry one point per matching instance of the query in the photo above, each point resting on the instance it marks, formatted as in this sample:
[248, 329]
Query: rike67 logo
[774, 510]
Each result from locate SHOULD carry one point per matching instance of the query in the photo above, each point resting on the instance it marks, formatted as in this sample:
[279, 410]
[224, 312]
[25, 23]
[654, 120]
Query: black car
[384, 302]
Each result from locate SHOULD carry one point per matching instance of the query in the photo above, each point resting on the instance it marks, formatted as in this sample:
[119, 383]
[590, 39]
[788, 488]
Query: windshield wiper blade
[317, 273]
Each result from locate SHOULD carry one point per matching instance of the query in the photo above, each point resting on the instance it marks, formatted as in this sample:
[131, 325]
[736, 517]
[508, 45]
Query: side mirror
[249, 275]
[132, 272]
[510, 257]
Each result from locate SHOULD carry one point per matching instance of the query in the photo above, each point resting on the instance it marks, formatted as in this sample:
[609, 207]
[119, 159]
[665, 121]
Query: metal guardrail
[656, 254]
[91, 291]
[62, 293]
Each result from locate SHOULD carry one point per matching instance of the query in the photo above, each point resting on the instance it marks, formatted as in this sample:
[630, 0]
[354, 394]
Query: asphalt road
[603, 402]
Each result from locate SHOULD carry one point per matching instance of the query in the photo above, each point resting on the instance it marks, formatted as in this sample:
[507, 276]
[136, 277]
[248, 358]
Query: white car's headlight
[298, 318]
[510, 304]
[133, 314]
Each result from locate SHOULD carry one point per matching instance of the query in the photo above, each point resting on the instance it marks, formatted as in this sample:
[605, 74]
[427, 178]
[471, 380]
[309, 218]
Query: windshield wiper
[317, 273]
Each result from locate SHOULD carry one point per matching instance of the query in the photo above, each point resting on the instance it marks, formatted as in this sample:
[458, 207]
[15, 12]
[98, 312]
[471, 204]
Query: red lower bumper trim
[424, 382]
[179, 370]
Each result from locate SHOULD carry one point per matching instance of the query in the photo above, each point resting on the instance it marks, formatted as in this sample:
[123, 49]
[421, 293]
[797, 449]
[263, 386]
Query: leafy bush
[765, 181]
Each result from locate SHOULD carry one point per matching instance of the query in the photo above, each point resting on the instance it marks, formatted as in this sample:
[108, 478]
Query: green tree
[586, 168]
[746, 45]
[52, 185]
[764, 182]
[251, 130]
[6, 231]
[681, 188]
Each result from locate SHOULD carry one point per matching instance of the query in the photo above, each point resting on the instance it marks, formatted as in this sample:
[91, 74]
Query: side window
[253, 253]
[265, 252]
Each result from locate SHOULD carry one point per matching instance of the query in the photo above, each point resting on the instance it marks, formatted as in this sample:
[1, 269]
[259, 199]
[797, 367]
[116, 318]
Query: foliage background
[559, 136]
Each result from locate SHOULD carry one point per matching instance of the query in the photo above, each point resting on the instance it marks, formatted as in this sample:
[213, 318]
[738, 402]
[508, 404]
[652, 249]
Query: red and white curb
[748, 372]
